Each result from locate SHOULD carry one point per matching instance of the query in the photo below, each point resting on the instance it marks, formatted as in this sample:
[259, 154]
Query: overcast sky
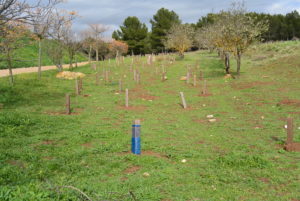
[113, 12]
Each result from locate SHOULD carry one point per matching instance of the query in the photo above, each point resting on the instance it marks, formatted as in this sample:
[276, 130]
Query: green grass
[239, 157]
[27, 56]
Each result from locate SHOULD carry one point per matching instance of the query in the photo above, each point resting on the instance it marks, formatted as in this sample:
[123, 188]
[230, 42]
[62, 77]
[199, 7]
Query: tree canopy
[161, 23]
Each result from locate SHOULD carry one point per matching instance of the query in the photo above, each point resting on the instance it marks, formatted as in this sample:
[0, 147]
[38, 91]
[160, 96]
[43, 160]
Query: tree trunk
[238, 62]
[9, 63]
[76, 62]
[181, 55]
[227, 63]
[40, 59]
[97, 55]
[90, 53]
[71, 61]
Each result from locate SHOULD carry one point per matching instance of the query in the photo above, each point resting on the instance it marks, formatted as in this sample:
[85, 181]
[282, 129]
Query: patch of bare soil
[205, 95]
[16, 163]
[146, 96]
[152, 153]
[295, 146]
[87, 145]
[201, 121]
[132, 170]
[248, 85]
[291, 102]
[61, 113]
[264, 180]
[87, 95]
[134, 108]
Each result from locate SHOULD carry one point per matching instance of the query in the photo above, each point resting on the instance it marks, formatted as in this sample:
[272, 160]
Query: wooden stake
[80, 85]
[77, 89]
[120, 85]
[204, 87]
[134, 74]
[126, 98]
[106, 77]
[68, 104]
[97, 79]
[183, 100]
[138, 78]
[195, 80]
[188, 77]
[163, 76]
[290, 130]
[201, 75]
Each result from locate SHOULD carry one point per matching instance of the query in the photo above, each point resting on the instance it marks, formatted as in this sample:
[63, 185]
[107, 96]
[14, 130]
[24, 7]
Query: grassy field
[44, 153]
[27, 56]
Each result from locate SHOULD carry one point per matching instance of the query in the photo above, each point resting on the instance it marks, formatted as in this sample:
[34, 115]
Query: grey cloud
[113, 12]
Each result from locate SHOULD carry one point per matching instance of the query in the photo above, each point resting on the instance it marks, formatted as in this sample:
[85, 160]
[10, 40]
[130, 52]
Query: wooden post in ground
[204, 90]
[163, 77]
[188, 77]
[183, 100]
[138, 78]
[126, 98]
[120, 85]
[106, 77]
[68, 104]
[97, 79]
[77, 89]
[195, 80]
[80, 85]
[201, 75]
[290, 131]
[134, 74]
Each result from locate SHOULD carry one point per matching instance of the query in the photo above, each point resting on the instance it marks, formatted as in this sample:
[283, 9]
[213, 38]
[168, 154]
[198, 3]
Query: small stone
[212, 120]
[146, 174]
[298, 128]
[262, 117]
[183, 160]
[210, 116]
[204, 105]
[285, 126]
[150, 100]
[117, 93]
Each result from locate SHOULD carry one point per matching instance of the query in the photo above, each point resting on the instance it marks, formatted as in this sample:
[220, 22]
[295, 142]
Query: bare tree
[180, 38]
[12, 37]
[87, 42]
[97, 31]
[73, 44]
[61, 22]
[41, 21]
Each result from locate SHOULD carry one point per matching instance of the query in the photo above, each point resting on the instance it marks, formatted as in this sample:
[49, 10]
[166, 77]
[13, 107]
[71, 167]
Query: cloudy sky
[113, 12]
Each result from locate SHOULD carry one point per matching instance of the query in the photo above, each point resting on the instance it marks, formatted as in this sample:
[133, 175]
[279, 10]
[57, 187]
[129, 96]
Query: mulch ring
[16, 163]
[134, 108]
[146, 153]
[290, 102]
[87, 145]
[248, 85]
[295, 146]
[205, 95]
[132, 170]
[141, 93]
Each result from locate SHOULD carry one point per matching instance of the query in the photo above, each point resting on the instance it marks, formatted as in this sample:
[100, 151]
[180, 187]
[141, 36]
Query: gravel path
[4, 73]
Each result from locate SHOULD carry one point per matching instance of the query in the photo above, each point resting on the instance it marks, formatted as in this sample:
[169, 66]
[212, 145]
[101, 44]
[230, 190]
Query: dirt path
[4, 73]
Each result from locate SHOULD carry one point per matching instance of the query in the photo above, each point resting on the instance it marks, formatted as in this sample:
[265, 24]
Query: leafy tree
[180, 38]
[134, 33]
[162, 22]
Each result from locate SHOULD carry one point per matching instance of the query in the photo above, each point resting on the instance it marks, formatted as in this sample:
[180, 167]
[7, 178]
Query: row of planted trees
[232, 32]
[22, 22]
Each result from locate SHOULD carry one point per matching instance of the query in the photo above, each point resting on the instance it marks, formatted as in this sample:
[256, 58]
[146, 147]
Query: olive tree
[180, 38]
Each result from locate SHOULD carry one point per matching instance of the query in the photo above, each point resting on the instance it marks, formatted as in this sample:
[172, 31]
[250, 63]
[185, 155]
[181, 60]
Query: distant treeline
[281, 27]
[140, 40]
